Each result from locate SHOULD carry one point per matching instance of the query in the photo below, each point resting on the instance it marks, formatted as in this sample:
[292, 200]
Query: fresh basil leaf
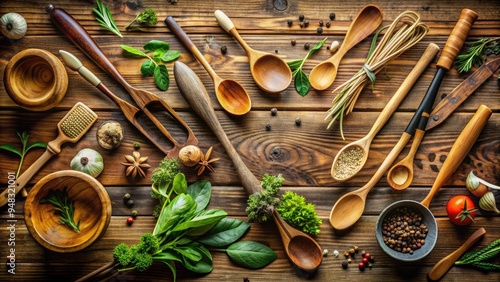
[170, 55]
[148, 68]
[206, 217]
[11, 148]
[227, 231]
[180, 183]
[188, 252]
[158, 53]
[161, 77]
[251, 254]
[36, 145]
[201, 192]
[156, 44]
[204, 265]
[316, 47]
[167, 255]
[294, 64]
[302, 84]
[133, 51]
[181, 206]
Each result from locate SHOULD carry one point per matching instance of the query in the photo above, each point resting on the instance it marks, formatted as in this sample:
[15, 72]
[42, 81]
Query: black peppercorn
[289, 22]
[293, 42]
[306, 46]
[223, 50]
[332, 16]
[306, 23]
[425, 7]
[268, 127]
[319, 30]
[301, 25]
[276, 51]
[345, 264]
[328, 24]
[301, 17]
[274, 111]
[298, 122]
[130, 203]
[245, 279]
[320, 22]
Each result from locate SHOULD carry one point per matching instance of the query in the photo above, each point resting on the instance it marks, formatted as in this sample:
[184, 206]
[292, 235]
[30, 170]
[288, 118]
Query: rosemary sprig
[62, 205]
[475, 55]
[105, 18]
[479, 258]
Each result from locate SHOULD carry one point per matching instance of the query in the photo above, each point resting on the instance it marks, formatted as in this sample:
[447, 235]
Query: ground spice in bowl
[348, 163]
[110, 134]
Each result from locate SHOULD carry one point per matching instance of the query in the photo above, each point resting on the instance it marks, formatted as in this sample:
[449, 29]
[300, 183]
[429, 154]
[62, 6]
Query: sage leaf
[205, 217]
[171, 214]
[302, 84]
[227, 231]
[148, 68]
[11, 148]
[134, 51]
[201, 192]
[155, 45]
[180, 183]
[251, 254]
[161, 77]
[170, 55]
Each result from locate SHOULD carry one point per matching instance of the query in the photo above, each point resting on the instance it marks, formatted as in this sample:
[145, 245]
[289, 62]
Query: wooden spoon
[447, 262]
[366, 22]
[270, 72]
[231, 95]
[304, 252]
[365, 142]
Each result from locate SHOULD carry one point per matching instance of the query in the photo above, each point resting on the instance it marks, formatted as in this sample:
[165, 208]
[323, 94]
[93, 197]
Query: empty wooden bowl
[92, 207]
[35, 79]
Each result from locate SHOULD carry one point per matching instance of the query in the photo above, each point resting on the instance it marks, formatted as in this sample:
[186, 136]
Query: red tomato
[461, 210]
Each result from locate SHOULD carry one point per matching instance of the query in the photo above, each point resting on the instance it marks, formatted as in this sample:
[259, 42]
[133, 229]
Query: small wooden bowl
[35, 79]
[92, 208]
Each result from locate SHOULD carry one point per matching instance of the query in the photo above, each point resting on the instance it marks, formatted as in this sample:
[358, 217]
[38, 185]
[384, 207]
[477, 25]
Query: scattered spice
[403, 230]
[293, 42]
[274, 111]
[126, 196]
[136, 165]
[298, 121]
[356, 249]
[130, 203]
[205, 162]
[301, 25]
[345, 264]
[276, 51]
[348, 163]
[110, 135]
[346, 254]
[320, 22]
[130, 220]
[325, 252]
[335, 253]
[332, 16]
[245, 279]
[425, 7]
[361, 266]
[334, 46]
[134, 213]
[328, 24]
[306, 23]
[319, 30]
[137, 145]
[268, 127]
[306, 46]
[289, 22]
[301, 17]
[223, 50]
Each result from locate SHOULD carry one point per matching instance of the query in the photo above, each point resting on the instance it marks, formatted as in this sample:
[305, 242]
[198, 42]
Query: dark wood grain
[302, 154]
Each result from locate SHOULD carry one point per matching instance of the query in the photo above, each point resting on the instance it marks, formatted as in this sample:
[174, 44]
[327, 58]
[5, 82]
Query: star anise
[205, 162]
[136, 165]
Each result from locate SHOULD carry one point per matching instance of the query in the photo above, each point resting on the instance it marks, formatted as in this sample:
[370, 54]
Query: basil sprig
[301, 81]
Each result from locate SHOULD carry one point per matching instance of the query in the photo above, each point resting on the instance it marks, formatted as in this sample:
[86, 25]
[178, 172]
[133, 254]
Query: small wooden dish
[35, 79]
[92, 208]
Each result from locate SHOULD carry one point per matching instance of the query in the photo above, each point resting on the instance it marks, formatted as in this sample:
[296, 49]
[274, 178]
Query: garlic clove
[487, 202]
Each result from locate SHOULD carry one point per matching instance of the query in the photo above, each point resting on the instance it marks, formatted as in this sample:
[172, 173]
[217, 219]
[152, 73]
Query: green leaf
[203, 218]
[294, 64]
[227, 231]
[251, 254]
[156, 44]
[173, 212]
[170, 55]
[36, 145]
[201, 192]
[105, 18]
[204, 265]
[316, 47]
[171, 265]
[188, 252]
[11, 148]
[134, 51]
[158, 53]
[302, 84]
[167, 255]
[180, 183]
[161, 77]
[148, 68]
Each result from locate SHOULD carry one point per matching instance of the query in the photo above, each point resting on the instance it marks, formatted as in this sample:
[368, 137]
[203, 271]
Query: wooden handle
[459, 150]
[447, 262]
[82, 39]
[195, 93]
[223, 20]
[456, 39]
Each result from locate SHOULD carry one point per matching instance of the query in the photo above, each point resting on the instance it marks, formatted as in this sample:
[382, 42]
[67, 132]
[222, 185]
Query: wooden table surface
[302, 154]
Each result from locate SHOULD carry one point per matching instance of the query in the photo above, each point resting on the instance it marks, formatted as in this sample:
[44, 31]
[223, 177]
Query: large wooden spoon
[304, 252]
[270, 72]
[366, 22]
[447, 262]
[365, 142]
[231, 95]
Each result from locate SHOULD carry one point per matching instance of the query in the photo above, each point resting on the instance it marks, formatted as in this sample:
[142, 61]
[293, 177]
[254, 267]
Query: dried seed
[332, 16]
[223, 50]
[293, 42]
[348, 163]
[319, 30]
[268, 127]
[274, 111]
[301, 17]
[328, 24]
[306, 46]
[298, 121]
[334, 46]
[289, 22]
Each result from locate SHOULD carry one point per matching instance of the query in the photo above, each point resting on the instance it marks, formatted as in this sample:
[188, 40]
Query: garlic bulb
[13, 26]
[190, 155]
[488, 203]
[88, 161]
[477, 186]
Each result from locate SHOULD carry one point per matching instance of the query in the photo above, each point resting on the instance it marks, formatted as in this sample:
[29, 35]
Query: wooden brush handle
[195, 93]
[445, 263]
[459, 150]
[456, 39]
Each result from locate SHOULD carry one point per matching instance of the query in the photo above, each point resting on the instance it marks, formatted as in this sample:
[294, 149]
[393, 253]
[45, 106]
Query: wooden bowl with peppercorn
[66, 211]
[406, 230]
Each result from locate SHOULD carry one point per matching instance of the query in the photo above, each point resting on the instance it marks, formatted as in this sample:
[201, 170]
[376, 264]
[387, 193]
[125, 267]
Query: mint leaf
[170, 55]
[134, 51]
[161, 77]
[148, 68]
[156, 44]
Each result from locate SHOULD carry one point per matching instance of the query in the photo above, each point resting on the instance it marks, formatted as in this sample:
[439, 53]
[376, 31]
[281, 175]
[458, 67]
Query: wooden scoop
[270, 72]
[447, 262]
[366, 22]
[301, 249]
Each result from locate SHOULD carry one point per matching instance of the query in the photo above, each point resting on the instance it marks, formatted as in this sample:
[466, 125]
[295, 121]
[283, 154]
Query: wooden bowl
[35, 79]
[92, 208]
[427, 219]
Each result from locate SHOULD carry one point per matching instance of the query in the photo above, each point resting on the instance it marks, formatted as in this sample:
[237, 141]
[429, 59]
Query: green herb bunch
[25, 147]
[480, 258]
[147, 17]
[105, 18]
[301, 81]
[164, 184]
[184, 234]
[476, 54]
[62, 205]
[154, 65]
[292, 207]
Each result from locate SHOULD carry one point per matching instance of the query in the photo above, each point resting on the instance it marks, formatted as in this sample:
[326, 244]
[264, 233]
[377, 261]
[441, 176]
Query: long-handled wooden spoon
[365, 142]
[304, 252]
[366, 22]
[270, 72]
[230, 93]
[447, 262]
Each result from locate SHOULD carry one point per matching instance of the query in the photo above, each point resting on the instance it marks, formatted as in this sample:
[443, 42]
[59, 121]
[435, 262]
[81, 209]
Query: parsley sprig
[105, 18]
[476, 53]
